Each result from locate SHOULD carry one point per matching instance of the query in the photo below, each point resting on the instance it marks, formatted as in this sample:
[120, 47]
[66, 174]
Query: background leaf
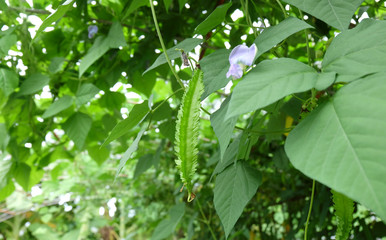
[86, 92]
[235, 186]
[357, 52]
[56, 107]
[8, 81]
[166, 227]
[77, 127]
[336, 13]
[33, 84]
[342, 143]
[214, 19]
[271, 36]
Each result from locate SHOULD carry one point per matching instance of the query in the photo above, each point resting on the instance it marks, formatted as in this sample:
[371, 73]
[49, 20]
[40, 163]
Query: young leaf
[187, 45]
[214, 19]
[271, 36]
[336, 13]
[343, 143]
[187, 130]
[235, 186]
[62, 9]
[136, 116]
[344, 209]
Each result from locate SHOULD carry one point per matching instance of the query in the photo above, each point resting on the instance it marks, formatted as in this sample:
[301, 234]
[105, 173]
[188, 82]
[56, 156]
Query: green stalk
[309, 210]
[163, 45]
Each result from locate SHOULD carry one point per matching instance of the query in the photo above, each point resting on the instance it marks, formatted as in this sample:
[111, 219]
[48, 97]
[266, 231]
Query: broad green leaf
[344, 209]
[6, 42]
[167, 129]
[187, 131]
[143, 164]
[215, 66]
[77, 127]
[337, 13]
[136, 116]
[86, 92]
[272, 80]
[271, 36]
[342, 143]
[4, 139]
[133, 147]
[235, 186]
[223, 128]
[22, 174]
[357, 52]
[112, 100]
[187, 45]
[230, 156]
[56, 64]
[3, 5]
[5, 166]
[42, 232]
[55, 16]
[98, 49]
[114, 39]
[56, 107]
[167, 4]
[33, 84]
[99, 154]
[144, 83]
[7, 190]
[135, 4]
[8, 81]
[214, 19]
[181, 4]
[167, 226]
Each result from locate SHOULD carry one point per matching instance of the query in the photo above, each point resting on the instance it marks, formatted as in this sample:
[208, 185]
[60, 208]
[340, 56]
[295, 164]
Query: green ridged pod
[187, 131]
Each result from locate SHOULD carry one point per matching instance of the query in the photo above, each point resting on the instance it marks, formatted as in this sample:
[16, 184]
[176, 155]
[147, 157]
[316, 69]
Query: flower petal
[92, 30]
[235, 71]
[243, 54]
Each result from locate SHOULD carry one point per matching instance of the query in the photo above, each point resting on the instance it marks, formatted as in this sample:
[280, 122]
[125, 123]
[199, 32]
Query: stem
[122, 220]
[244, 5]
[206, 220]
[309, 210]
[205, 111]
[152, 111]
[282, 8]
[307, 42]
[264, 132]
[163, 45]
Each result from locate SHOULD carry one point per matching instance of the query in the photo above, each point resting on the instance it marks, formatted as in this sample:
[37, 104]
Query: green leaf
[181, 4]
[187, 45]
[168, 129]
[42, 232]
[99, 154]
[271, 36]
[167, 4]
[135, 5]
[187, 131]
[33, 84]
[357, 52]
[3, 5]
[270, 81]
[5, 167]
[133, 147]
[22, 174]
[6, 42]
[143, 164]
[77, 127]
[223, 128]
[215, 66]
[56, 107]
[86, 92]
[55, 16]
[214, 19]
[144, 83]
[8, 81]
[235, 186]
[344, 209]
[114, 39]
[4, 139]
[167, 226]
[112, 100]
[7, 190]
[136, 116]
[337, 13]
[56, 64]
[230, 156]
[342, 143]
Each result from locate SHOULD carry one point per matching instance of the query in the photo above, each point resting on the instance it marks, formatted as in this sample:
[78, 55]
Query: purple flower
[92, 30]
[240, 57]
